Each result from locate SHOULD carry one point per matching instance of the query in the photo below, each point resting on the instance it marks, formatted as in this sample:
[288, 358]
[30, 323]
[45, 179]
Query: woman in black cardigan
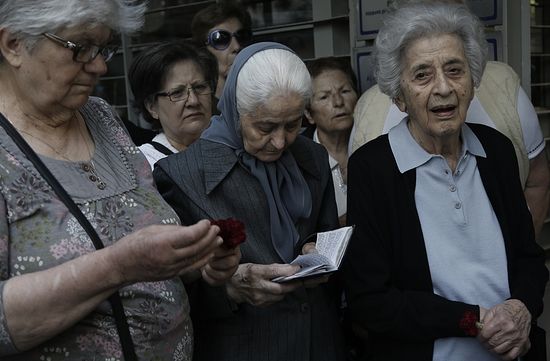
[443, 264]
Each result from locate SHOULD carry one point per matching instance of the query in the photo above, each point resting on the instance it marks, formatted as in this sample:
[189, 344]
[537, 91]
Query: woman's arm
[388, 285]
[40, 305]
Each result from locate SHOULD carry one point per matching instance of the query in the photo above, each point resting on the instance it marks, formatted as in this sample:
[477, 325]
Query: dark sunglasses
[220, 39]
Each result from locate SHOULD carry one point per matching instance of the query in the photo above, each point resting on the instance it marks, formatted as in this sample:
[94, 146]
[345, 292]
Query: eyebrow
[451, 61]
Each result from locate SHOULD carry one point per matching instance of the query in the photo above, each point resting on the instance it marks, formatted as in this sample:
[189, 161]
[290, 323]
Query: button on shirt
[463, 240]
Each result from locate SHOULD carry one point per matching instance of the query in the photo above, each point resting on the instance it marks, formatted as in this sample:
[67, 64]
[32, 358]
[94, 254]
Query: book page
[332, 244]
[330, 248]
[311, 263]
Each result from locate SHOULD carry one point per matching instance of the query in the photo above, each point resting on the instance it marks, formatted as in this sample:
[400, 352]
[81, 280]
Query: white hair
[28, 19]
[271, 72]
[416, 20]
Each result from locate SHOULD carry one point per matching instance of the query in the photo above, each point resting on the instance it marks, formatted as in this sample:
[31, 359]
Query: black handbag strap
[161, 148]
[116, 303]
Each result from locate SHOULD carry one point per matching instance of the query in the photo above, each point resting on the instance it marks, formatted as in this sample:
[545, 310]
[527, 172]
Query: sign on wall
[371, 14]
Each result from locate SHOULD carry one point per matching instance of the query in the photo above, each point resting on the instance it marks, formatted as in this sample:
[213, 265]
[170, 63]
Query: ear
[11, 47]
[309, 117]
[398, 101]
[151, 107]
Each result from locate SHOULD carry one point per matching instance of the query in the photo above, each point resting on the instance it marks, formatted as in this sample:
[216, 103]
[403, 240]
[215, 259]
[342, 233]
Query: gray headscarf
[285, 188]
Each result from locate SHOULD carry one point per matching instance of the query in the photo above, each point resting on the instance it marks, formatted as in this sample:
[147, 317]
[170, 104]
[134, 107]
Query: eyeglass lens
[220, 39]
[89, 53]
[184, 92]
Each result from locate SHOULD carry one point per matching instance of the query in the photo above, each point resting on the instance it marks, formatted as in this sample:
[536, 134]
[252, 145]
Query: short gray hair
[28, 19]
[271, 72]
[417, 20]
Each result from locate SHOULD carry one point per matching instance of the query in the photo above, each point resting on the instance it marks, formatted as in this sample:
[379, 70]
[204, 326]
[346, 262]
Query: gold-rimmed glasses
[182, 93]
[83, 53]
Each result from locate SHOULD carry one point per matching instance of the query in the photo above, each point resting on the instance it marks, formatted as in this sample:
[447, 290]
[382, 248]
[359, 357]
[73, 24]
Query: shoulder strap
[161, 148]
[116, 303]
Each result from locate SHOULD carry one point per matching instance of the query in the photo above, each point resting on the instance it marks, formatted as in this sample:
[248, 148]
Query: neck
[17, 106]
[178, 144]
[336, 142]
[219, 86]
[449, 146]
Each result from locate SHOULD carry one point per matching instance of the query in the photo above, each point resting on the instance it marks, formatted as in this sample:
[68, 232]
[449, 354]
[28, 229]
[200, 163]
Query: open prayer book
[331, 246]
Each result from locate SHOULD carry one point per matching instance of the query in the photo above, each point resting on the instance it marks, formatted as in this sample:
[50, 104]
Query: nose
[97, 65]
[337, 100]
[442, 86]
[235, 46]
[278, 139]
[192, 97]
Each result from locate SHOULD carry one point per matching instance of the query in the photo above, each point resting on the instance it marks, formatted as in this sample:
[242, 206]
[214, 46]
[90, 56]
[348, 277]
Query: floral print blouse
[37, 232]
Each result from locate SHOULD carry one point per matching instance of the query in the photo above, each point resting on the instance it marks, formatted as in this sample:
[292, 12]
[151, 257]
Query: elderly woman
[443, 249]
[54, 284]
[224, 29]
[252, 165]
[330, 114]
[172, 84]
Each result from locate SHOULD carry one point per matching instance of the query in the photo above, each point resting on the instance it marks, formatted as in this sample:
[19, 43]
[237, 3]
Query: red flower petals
[468, 323]
[231, 231]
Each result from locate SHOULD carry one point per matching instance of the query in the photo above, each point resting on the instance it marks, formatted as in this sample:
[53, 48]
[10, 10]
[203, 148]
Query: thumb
[276, 270]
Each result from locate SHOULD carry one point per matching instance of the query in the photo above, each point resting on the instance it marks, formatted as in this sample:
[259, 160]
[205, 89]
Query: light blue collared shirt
[463, 239]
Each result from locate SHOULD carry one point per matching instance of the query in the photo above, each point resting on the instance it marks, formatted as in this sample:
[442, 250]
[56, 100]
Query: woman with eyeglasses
[91, 266]
[224, 29]
[173, 85]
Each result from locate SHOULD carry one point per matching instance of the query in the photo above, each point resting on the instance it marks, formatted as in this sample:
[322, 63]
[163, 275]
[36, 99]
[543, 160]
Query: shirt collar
[331, 161]
[409, 154]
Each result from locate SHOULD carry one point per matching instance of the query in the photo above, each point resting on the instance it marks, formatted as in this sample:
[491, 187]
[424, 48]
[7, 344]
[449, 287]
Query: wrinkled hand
[506, 329]
[252, 283]
[161, 252]
[313, 282]
[222, 266]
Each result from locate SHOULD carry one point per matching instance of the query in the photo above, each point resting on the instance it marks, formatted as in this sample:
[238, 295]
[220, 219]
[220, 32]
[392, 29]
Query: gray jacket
[206, 181]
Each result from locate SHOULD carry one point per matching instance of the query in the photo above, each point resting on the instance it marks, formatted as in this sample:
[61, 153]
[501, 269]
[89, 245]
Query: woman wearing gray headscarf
[252, 165]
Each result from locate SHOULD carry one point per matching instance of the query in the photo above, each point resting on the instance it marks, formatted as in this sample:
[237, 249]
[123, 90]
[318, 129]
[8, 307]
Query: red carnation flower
[468, 323]
[231, 231]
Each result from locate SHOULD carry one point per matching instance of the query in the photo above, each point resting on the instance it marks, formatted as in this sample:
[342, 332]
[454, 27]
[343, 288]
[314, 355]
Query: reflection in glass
[116, 66]
[540, 69]
[301, 41]
[540, 96]
[168, 24]
[112, 90]
[278, 12]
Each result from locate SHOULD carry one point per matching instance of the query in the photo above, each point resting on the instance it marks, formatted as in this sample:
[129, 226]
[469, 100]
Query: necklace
[87, 166]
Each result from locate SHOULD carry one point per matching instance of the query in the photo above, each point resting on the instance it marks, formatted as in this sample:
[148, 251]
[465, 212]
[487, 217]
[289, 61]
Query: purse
[128, 349]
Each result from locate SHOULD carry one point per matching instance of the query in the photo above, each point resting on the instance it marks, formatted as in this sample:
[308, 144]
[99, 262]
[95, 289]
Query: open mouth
[443, 109]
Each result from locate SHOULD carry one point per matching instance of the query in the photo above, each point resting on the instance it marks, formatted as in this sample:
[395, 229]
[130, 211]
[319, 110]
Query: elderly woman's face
[183, 121]
[273, 127]
[333, 102]
[50, 76]
[436, 85]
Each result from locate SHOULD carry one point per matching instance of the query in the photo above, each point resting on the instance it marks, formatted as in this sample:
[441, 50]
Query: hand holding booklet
[330, 246]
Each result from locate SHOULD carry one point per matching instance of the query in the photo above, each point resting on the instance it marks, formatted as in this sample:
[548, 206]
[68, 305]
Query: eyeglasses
[84, 53]
[182, 93]
[220, 39]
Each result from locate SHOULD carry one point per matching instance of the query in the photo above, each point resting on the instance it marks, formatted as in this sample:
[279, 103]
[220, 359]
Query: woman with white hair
[443, 264]
[251, 164]
[91, 257]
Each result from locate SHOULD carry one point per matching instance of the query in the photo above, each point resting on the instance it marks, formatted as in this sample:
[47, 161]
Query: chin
[269, 157]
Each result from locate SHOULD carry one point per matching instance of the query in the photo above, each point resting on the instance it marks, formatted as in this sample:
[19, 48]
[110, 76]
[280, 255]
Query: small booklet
[331, 246]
